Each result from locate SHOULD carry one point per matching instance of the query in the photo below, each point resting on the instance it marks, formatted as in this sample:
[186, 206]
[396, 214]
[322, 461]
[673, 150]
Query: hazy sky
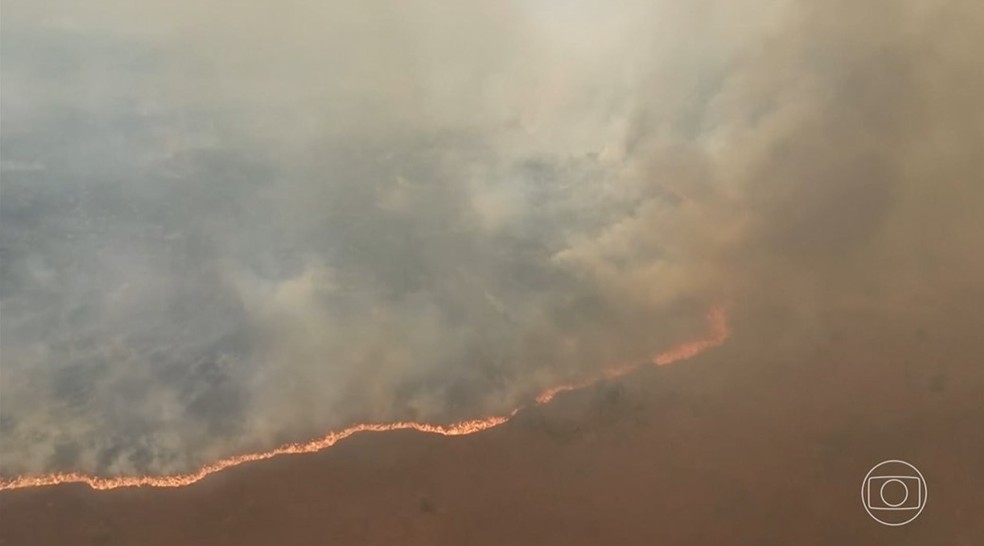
[224, 228]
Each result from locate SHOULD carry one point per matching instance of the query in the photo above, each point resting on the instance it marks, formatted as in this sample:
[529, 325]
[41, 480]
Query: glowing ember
[718, 334]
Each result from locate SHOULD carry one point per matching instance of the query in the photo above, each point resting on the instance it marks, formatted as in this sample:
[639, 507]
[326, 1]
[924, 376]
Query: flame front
[719, 332]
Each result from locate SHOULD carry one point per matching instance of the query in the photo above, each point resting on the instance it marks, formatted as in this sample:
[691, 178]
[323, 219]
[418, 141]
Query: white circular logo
[894, 492]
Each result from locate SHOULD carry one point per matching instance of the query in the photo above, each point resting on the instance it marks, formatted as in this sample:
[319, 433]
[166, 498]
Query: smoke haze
[225, 228]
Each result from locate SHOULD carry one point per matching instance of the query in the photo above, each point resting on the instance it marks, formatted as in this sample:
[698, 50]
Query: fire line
[718, 333]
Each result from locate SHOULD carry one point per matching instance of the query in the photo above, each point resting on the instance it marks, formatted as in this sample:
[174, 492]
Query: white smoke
[245, 225]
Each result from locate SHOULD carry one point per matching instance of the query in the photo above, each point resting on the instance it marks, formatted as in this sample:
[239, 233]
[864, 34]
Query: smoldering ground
[227, 228]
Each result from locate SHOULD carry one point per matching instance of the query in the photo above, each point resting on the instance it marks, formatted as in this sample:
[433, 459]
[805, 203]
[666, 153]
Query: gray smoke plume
[223, 227]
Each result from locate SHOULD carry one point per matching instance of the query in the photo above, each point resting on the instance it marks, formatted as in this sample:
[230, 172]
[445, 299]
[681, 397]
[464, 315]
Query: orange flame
[719, 332]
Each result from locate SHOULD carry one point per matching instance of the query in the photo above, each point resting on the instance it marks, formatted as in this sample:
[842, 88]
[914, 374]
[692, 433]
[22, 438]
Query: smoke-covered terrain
[228, 225]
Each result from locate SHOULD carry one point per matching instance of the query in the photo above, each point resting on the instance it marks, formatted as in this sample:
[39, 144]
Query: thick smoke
[225, 227]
